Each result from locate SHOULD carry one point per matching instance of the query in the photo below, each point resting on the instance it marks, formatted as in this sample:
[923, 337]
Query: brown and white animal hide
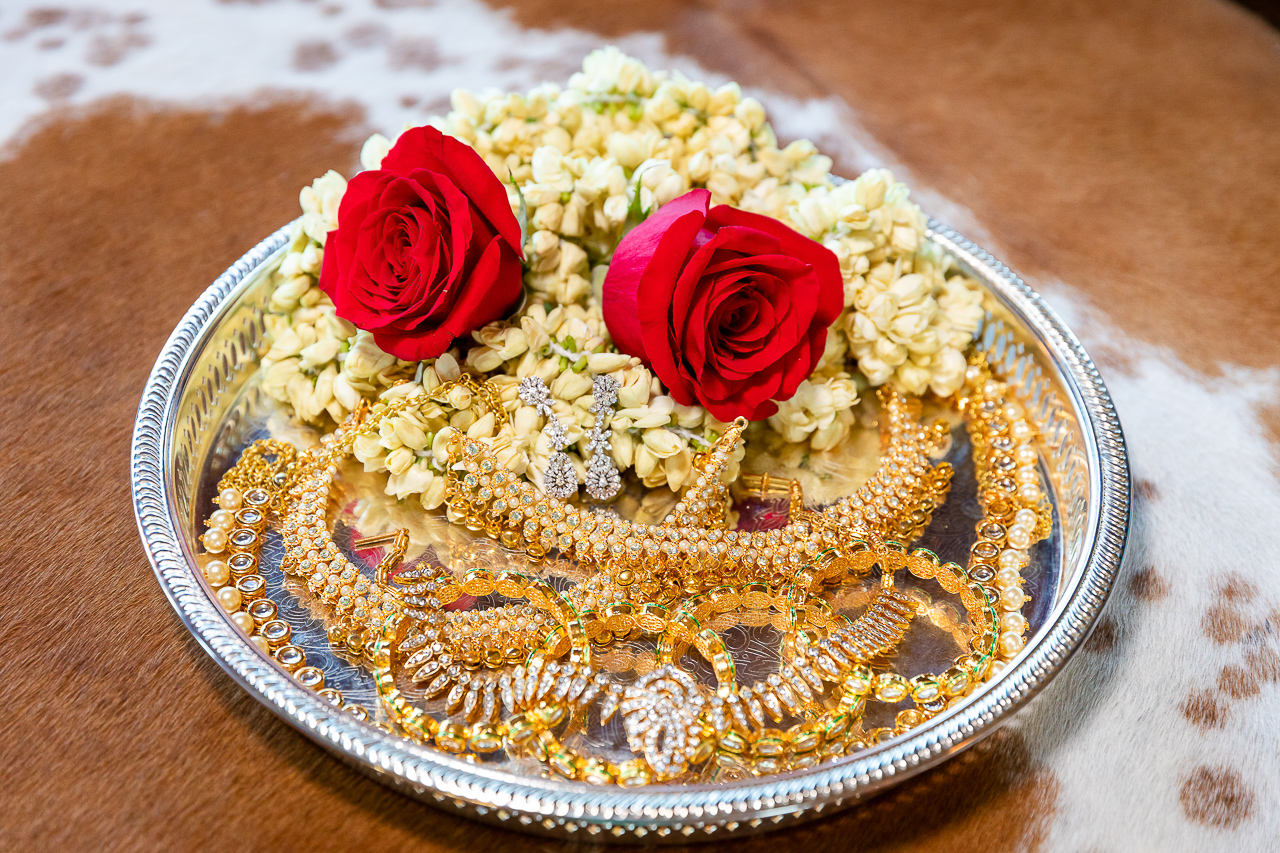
[1125, 157]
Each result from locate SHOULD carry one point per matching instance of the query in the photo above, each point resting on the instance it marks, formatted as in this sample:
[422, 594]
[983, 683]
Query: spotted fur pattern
[1122, 156]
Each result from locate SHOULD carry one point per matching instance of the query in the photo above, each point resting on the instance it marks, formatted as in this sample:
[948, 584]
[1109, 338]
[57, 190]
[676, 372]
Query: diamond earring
[603, 480]
[559, 480]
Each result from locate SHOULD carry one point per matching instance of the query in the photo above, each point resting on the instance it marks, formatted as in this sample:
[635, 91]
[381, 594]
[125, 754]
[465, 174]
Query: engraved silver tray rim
[654, 813]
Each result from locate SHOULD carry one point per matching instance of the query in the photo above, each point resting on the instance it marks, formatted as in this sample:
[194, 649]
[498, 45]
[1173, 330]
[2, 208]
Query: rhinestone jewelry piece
[660, 713]
[559, 480]
[603, 479]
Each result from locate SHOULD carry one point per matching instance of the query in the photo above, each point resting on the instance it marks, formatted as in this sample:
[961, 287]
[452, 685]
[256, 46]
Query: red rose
[426, 249]
[730, 309]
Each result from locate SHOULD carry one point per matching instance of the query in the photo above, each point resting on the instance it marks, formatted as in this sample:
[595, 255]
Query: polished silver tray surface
[201, 406]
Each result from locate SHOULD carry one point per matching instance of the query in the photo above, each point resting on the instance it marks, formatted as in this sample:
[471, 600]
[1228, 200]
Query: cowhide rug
[1125, 157]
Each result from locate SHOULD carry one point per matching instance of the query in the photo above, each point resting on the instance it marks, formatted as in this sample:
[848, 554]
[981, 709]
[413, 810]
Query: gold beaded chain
[667, 561]
[733, 724]
[884, 625]
[1017, 512]
[649, 590]
[294, 489]
[361, 606]
[250, 493]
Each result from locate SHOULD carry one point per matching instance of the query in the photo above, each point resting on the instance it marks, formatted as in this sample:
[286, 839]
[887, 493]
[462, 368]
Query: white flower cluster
[589, 160]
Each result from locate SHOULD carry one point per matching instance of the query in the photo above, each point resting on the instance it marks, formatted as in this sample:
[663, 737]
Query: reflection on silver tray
[202, 406]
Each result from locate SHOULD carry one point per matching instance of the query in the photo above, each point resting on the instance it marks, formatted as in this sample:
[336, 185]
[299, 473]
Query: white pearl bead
[215, 540]
[1020, 431]
[217, 573]
[1027, 475]
[1012, 559]
[223, 519]
[230, 499]
[997, 667]
[1014, 411]
[1025, 454]
[243, 621]
[1030, 493]
[1013, 621]
[1026, 518]
[229, 598]
[1019, 537]
[261, 642]
[1011, 644]
[1006, 578]
[1012, 598]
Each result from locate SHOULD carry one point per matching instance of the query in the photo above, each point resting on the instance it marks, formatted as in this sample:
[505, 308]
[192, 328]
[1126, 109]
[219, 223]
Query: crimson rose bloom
[426, 249]
[730, 309]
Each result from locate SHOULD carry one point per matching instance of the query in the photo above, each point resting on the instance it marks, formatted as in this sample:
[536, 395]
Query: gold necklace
[823, 682]
[667, 561]
[704, 554]
[733, 724]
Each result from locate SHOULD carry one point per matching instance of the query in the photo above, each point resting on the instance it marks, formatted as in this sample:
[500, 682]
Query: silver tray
[201, 406]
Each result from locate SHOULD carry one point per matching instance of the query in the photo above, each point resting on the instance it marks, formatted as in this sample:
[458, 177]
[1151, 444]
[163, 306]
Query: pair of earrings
[560, 480]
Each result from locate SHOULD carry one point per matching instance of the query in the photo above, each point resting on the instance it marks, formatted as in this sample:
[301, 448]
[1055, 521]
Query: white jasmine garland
[618, 142]
[320, 205]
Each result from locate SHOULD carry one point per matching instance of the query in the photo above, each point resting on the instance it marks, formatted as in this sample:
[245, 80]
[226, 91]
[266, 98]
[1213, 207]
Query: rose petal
[830, 298]
[427, 148]
[637, 254]
[486, 296]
